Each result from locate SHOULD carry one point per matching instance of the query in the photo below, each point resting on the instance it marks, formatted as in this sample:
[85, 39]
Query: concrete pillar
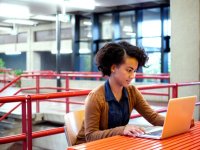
[29, 51]
[33, 58]
[185, 45]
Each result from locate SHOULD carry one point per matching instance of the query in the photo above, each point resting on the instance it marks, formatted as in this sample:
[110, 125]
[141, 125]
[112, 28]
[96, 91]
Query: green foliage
[17, 72]
[2, 63]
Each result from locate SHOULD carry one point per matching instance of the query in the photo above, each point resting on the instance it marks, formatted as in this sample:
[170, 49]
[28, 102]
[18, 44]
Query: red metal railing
[5, 75]
[50, 74]
[27, 126]
[37, 75]
[27, 135]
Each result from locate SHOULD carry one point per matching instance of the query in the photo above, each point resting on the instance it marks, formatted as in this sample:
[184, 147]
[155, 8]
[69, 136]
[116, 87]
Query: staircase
[9, 126]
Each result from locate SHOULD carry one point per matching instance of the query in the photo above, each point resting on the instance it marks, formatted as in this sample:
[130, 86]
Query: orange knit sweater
[95, 125]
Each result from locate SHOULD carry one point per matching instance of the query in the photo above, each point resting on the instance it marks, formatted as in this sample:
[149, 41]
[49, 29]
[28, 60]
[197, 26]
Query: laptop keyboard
[159, 132]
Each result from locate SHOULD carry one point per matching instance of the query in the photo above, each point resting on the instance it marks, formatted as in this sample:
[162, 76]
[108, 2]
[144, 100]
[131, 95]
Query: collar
[109, 94]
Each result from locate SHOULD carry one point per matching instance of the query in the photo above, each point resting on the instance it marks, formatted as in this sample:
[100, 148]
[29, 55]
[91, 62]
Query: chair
[73, 122]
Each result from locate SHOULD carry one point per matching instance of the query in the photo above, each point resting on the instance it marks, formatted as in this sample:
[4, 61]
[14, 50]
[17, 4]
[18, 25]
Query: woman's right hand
[132, 130]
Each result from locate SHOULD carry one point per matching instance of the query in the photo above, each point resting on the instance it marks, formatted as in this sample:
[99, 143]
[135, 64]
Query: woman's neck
[116, 89]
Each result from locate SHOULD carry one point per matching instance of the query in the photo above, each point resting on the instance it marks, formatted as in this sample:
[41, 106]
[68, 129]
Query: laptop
[178, 119]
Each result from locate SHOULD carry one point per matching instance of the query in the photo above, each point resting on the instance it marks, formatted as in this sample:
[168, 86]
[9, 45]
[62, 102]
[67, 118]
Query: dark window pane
[50, 35]
[22, 37]
[7, 39]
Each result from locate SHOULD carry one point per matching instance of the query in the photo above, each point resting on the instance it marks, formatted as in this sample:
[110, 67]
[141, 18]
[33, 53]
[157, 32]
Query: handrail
[59, 95]
[9, 84]
[188, 83]
[8, 113]
[157, 86]
[29, 135]
[96, 75]
[13, 138]
[16, 98]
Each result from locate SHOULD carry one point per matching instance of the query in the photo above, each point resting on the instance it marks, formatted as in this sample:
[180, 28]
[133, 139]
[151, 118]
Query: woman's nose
[132, 75]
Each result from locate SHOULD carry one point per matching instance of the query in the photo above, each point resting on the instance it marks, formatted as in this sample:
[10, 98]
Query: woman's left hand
[192, 123]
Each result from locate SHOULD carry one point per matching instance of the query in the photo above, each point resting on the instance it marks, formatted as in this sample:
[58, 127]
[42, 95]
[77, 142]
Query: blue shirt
[118, 114]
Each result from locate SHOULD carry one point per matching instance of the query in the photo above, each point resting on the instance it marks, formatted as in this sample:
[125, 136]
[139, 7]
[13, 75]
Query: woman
[109, 106]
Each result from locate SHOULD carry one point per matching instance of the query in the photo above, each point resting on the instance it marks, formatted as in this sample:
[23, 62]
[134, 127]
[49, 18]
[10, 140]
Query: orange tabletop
[189, 140]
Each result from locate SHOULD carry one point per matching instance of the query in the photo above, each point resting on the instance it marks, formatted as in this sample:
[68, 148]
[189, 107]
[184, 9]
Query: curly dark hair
[114, 53]
[136, 52]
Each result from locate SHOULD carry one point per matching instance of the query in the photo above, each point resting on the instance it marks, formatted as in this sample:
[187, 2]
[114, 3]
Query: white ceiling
[50, 7]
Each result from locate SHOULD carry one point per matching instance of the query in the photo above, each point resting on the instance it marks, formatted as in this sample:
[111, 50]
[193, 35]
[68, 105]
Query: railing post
[24, 123]
[4, 77]
[29, 122]
[169, 89]
[67, 89]
[37, 92]
[175, 91]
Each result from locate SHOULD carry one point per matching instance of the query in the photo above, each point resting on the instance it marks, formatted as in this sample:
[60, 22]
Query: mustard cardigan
[95, 125]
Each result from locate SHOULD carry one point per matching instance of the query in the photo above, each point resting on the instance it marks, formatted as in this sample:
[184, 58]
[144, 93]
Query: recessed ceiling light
[8, 29]
[22, 22]
[43, 17]
[12, 52]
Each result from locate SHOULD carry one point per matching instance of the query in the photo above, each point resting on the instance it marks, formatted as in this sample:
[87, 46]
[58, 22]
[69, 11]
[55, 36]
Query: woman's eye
[131, 70]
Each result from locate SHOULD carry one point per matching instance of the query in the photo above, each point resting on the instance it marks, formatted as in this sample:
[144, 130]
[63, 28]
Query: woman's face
[124, 73]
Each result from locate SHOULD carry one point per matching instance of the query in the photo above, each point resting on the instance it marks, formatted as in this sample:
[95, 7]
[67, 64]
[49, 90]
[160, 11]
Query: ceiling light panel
[8, 29]
[14, 11]
[22, 22]
[43, 17]
[81, 4]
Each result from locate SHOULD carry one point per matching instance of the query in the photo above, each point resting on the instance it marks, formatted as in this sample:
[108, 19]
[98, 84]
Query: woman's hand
[192, 123]
[131, 130]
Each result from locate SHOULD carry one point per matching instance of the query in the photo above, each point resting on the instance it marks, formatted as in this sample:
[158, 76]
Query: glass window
[131, 41]
[85, 47]
[167, 34]
[101, 44]
[169, 62]
[66, 33]
[151, 44]
[105, 21]
[7, 39]
[50, 35]
[151, 39]
[127, 24]
[85, 29]
[22, 37]
[154, 63]
[85, 62]
[167, 24]
[151, 25]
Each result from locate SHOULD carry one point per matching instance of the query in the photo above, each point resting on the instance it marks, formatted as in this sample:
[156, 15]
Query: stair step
[9, 124]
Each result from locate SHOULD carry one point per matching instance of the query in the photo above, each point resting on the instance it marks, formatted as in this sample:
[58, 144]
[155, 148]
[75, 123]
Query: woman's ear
[113, 67]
